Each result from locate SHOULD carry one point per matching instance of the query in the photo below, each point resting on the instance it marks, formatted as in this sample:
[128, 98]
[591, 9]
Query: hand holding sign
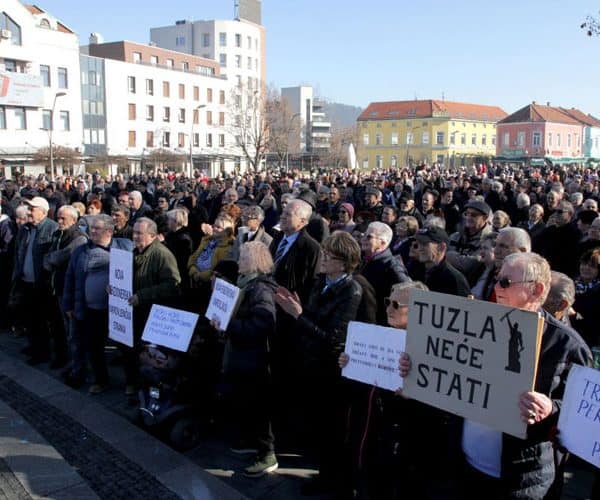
[534, 407]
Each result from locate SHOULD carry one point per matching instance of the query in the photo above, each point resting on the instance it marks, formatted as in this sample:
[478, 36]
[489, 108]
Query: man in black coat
[440, 276]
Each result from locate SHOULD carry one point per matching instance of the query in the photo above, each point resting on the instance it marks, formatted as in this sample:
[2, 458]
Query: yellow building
[399, 133]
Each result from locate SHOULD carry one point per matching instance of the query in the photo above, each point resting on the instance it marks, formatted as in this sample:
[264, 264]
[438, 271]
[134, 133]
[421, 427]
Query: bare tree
[62, 155]
[284, 127]
[162, 158]
[591, 25]
[337, 156]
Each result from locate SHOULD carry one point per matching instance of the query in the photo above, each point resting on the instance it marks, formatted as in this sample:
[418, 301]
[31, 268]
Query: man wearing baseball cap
[31, 280]
[440, 276]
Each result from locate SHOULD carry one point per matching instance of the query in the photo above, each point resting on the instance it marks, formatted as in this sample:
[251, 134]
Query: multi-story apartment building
[537, 132]
[315, 129]
[40, 91]
[399, 133]
[158, 99]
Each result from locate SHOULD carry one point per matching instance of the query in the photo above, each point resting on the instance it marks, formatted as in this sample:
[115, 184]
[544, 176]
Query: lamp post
[192, 137]
[50, 130]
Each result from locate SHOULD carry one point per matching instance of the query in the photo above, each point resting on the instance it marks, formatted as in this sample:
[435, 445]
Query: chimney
[532, 102]
[96, 38]
[548, 104]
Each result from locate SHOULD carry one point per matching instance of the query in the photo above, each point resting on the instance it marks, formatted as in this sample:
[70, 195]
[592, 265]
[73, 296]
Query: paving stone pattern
[10, 487]
[107, 471]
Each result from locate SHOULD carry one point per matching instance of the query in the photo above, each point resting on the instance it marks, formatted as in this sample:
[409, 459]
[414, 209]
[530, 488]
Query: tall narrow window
[45, 74]
[65, 122]
[131, 139]
[20, 119]
[63, 81]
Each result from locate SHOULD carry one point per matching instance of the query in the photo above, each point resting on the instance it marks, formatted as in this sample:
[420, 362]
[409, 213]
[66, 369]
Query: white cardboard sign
[223, 302]
[120, 313]
[374, 352]
[170, 327]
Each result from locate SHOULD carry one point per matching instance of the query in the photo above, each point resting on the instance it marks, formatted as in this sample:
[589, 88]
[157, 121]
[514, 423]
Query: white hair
[523, 200]
[519, 237]
[535, 269]
[382, 231]
[72, 211]
[136, 195]
[300, 208]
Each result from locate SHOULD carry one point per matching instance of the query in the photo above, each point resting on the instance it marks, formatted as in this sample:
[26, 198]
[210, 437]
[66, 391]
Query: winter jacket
[180, 244]
[155, 277]
[41, 245]
[222, 251]
[463, 252]
[56, 260]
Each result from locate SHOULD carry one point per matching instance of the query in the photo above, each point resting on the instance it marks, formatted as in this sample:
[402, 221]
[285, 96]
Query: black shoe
[75, 382]
[37, 360]
[58, 363]
[315, 486]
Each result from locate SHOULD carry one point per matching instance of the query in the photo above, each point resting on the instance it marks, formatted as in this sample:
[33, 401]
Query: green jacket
[156, 276]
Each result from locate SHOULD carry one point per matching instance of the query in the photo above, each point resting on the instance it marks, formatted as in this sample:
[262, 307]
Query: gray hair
[72, 211]
[497, 186]
[300, 208]
[136, 194]
[576, 198]
[435, 221]
[255, 211]
[523, 200]
[22, 210]
[179, 216]
[562, 289]
[519, 237]
[535, 269]
[382, 231]
[106, 221]
[409, 285]
[151, 226]
[124, 209]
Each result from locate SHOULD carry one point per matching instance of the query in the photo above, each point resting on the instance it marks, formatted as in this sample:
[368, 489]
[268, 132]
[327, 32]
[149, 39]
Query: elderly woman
[321, 329]
[404, 231]
[246, 357]
[345, 220]
[252, 230]
[500, 220]
[216, 245]
[178, 240]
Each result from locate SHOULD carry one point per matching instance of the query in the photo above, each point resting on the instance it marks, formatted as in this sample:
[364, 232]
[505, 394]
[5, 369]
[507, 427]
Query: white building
[315, 130]
[39, 72]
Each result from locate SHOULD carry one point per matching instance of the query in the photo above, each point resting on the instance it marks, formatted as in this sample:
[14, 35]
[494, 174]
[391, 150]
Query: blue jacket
[74, 290]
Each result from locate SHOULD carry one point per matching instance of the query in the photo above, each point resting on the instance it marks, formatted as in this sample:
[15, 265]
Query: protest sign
[472, 358]
[579, 421]
[170, 327]
[223, 302]
[374, 352]
[120, 313]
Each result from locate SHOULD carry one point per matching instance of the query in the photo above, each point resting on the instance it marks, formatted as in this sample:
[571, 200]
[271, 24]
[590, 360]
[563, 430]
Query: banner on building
[21, 89]
[374, 352]
[472, 358]
[120, 313]
[579, 421]
[170, 327]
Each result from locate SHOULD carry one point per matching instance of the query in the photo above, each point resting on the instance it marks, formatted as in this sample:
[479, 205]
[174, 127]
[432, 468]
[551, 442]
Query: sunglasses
[394, 303]
[507, 282]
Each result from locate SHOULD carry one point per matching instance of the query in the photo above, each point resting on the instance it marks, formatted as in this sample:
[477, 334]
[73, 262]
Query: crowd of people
[312, 252]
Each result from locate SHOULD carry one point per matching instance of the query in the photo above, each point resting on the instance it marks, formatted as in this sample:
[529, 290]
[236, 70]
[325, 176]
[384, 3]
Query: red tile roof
[34, 9]
[581, 117]
[539, 113]
[395, 110]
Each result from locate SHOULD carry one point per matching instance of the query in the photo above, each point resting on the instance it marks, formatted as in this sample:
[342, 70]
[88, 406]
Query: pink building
[538, 131]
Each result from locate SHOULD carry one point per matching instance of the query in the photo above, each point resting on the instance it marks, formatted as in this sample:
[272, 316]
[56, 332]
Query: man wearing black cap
[440, 276]
[463, 252]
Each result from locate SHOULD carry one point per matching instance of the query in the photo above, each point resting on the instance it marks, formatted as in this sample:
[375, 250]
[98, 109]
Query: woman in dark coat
[321, 328]
[178, 240]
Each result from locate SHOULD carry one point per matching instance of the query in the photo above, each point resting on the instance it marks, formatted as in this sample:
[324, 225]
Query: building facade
[40, 90]
[400, 133]
[539, 132]
[591, 133]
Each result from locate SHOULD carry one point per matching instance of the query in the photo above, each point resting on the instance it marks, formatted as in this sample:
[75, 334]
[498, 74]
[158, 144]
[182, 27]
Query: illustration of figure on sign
[515, 345]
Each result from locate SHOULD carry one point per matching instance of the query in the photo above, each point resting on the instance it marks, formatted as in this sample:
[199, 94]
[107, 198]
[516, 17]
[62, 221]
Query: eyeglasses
[370, 237]
[507, 282]
[394, 303]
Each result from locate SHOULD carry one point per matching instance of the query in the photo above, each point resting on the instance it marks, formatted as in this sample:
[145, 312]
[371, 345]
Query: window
[167, 139]
[179, 41]
[221, 140]
[166, 89]
[181, 91]
[2, 117]
[577, 139]
[249, 39]
[453, 138]
[137, 57]
[379, 161]
[249, 83]
[208, 95]
[149, 86]
[154, 60]
[170, 63]
[521, 139]
[222, 39]
[196, 140]
[166, 114]
[365, 163]
[131, 141]
[463, 139]
[238, 40]
[180, 140]
[238, 61]
[45, 74]
[185, 66]
[473, 139]
[493, 140]
[63, 82]
[46, 119]
[558, 140]
[365, 139]
[425, 138]
[537, 139]
[131, 111]
[378, 139]
[568, 140]
[131, 84]
[394, 139]
[223, 60]
[484, 140]
[196, 93]
[439, 138]
[221, 97]
[20, 119]
[249, 63]
[150, 113]
[205, 39]
[65, 122]
[7, 23]
[181, 115]
[394, 161]
[11, 65]
[209, 117]
[221, 119]
[209, 140]
[149, 139]
[506, 139]
[196, 116]
[409, 138]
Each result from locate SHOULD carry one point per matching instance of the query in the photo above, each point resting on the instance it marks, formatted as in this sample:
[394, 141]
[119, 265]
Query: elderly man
[252, 218]
[439, 275]
[406, 204]
[31, 279]
[156, 280]
[120, 214]
[64, 242]
[535, 225]
[139, 208]
[380, 268]
[561, 297]
[85, 302]
[464, 244]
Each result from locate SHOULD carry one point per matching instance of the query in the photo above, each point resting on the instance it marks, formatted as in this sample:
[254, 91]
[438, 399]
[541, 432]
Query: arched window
[44, 23]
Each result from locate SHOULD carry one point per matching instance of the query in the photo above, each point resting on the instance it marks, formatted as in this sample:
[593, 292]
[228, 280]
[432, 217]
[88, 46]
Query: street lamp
[192, 137]
[50, 130]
